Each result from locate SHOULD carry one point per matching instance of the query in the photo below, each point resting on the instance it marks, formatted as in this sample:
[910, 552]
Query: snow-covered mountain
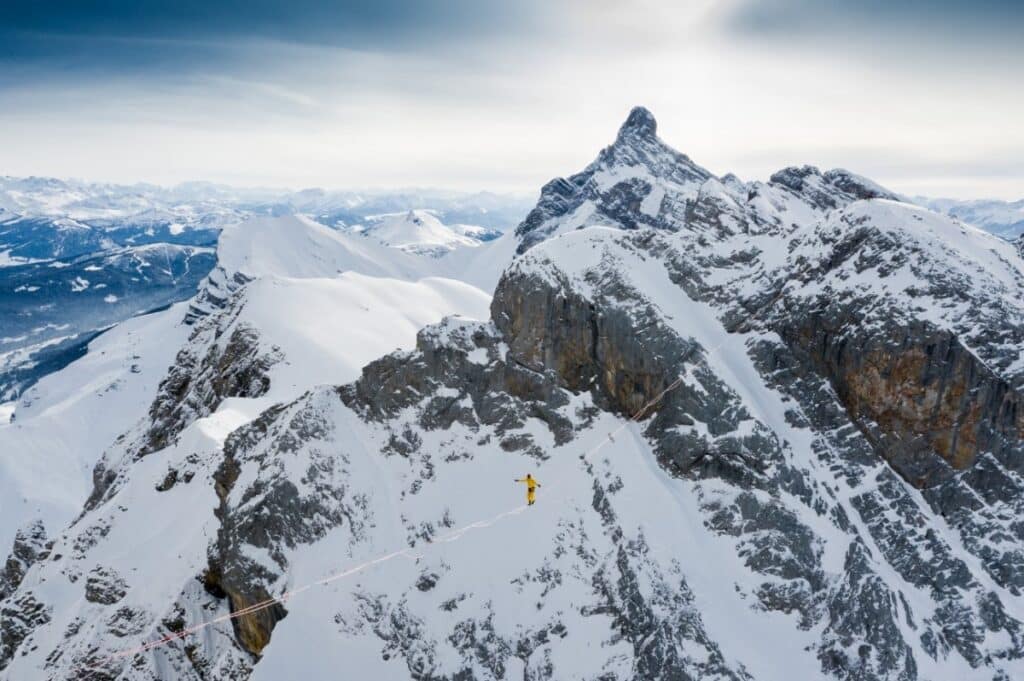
[777, 427]
[317, 305]
[421, 232]
[50, 309]
[50, 229]
[193, 205]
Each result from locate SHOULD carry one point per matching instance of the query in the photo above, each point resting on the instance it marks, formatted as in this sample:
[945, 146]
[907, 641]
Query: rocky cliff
[777, 427]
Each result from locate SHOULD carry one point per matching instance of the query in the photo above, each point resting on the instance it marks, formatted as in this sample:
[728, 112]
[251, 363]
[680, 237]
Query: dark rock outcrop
[19, 617]
[830, 189]
[196, 384]
[104, 586]
[30, 545]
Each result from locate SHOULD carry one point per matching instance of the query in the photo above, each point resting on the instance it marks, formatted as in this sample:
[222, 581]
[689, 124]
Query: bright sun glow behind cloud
[473, 104]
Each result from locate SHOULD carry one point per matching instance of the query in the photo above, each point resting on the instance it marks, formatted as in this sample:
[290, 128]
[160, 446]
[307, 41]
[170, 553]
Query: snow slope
[481, 266]
[328, 329]
[67, 419]
[295, 246]
[420, 232]
[823, 478]
[309, 296]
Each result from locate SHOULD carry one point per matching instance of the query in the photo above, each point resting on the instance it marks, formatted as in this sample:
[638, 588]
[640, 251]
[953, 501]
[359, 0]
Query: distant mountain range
[155, 244]
[1003, 218]
[76, 257]
[203, 204]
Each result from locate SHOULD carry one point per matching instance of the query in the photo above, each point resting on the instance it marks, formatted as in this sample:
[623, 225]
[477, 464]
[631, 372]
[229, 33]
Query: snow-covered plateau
[777, 428]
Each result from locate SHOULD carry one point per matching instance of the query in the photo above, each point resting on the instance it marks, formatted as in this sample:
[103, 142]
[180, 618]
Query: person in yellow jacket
[531, 488]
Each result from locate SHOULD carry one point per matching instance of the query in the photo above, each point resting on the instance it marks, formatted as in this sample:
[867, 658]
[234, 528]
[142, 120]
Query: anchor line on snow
[448, 537]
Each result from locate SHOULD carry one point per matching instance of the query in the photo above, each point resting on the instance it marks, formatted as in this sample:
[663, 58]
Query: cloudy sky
[925, 96]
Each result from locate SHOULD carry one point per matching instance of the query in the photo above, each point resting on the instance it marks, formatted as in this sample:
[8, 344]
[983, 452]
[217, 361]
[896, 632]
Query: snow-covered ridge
[336, 300]
[835, 472]
[954, 276]
[296, 246]
[316, 330]
[421, 232]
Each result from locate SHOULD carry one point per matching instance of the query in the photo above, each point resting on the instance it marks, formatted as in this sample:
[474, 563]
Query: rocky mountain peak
[639, 123]
[788, 409]
[630, 184]
[830, 189]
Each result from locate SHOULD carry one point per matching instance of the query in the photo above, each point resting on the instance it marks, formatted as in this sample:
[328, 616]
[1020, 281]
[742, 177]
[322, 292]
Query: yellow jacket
[531, 483]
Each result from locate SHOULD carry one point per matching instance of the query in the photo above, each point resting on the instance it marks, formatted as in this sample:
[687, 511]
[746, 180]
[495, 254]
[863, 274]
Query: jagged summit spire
[640, 123]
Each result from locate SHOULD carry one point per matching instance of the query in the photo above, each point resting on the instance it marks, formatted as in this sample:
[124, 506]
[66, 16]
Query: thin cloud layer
[474, 95]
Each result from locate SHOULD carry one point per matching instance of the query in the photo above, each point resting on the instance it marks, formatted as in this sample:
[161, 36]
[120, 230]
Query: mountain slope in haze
[194, 206]
[50, 310]
[1003, 218]
[65, 279]
[421, 232]
[829, 484]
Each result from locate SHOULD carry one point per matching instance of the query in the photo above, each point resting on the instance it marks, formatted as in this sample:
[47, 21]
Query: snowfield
[63, 423]
[313, 468]
[327, 329]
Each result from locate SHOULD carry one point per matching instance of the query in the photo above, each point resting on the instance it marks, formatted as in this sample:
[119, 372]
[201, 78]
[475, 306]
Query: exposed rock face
[586, 342]
[612, 190]
[215, 294]
[223, 358]
[30, 545]
[831, 189]
[20, 615]
[920, 344]
[835, 473]
[234, 365]
[104, 586]
[503, 394]
[928, 404]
